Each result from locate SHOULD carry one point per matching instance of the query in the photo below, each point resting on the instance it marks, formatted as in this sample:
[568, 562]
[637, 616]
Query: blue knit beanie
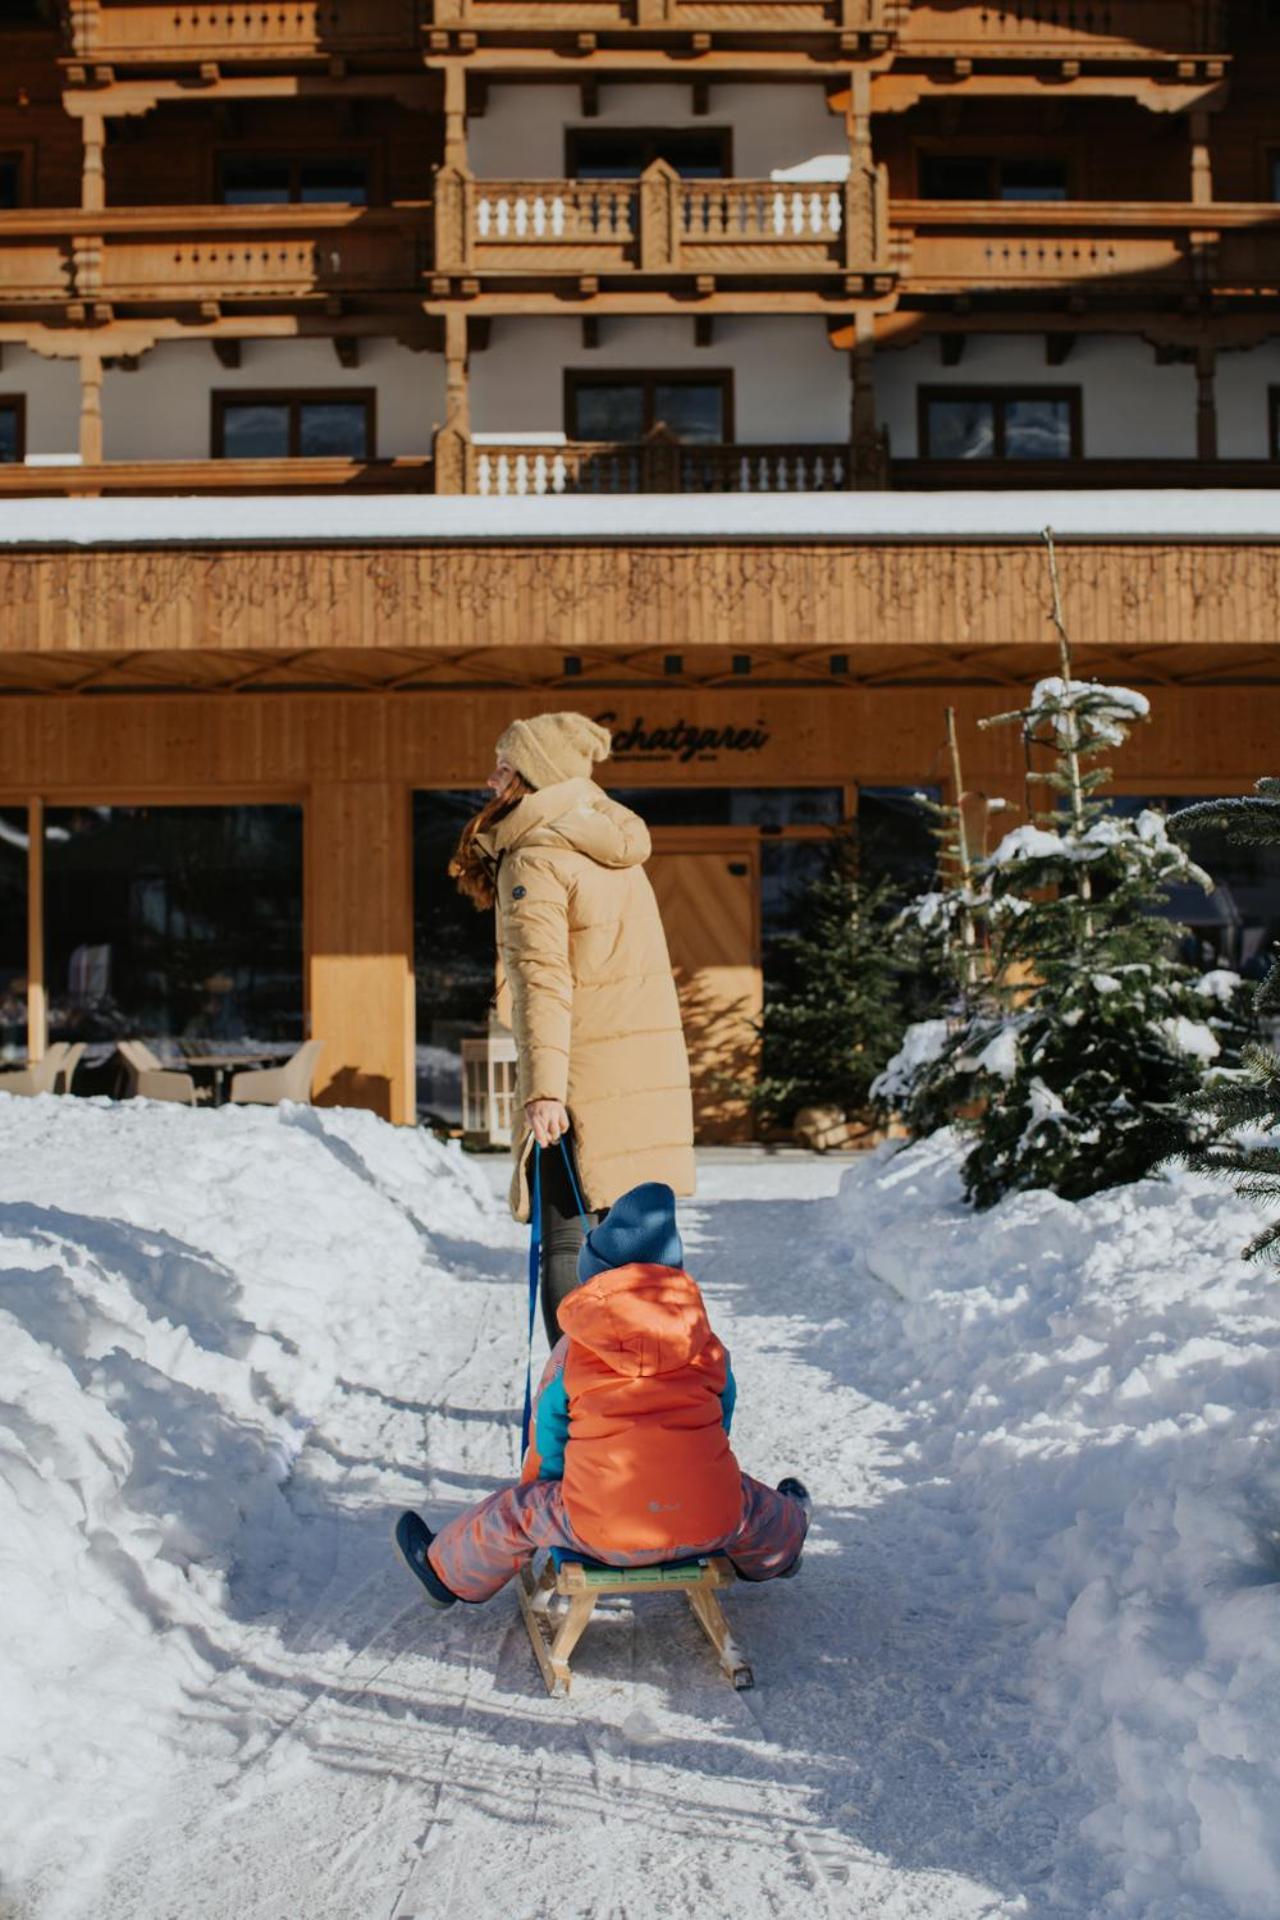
[640, 1227]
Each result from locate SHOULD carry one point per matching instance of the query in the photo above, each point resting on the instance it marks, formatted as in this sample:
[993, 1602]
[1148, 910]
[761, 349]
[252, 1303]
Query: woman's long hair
[471, 868]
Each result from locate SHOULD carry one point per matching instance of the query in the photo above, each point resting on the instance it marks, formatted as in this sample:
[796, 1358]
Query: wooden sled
[554, 1635]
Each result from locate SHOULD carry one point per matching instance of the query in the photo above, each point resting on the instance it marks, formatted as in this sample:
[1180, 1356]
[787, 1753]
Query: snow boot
[797, 1490]
[413, 1537]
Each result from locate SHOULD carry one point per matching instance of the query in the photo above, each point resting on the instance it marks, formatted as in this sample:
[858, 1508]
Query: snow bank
[1098, 1386]
[171, 1332]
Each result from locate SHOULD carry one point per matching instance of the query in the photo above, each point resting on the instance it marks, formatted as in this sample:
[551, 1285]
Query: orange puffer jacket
[631, 1412]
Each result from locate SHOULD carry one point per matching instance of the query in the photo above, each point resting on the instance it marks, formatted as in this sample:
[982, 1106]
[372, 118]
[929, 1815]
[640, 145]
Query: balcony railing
[175, 254]
[1058, 29]
[661, 224]
[657, 466]
[143, 33]
[874, 22]
[962, 247]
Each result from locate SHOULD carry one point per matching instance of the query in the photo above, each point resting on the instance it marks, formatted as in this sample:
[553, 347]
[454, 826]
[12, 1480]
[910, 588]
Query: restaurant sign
[681, 740]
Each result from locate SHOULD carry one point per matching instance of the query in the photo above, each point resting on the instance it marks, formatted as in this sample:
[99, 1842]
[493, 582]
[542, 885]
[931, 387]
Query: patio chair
[39, 1076]
[150, 1079]
[74, 1055]
[265, 1086]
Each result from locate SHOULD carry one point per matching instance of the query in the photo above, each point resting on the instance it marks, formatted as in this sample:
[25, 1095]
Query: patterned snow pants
[476, 1554]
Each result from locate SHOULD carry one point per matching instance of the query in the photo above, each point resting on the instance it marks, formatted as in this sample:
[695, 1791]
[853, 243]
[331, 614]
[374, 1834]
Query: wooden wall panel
[359, 915]
[664, 596]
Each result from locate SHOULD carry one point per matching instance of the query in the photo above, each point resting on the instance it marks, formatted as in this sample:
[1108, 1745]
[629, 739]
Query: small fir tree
[833, 1012]
[1098, 1042]
[1239, 1114]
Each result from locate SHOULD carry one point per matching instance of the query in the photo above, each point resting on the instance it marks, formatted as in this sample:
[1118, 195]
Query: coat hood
[639, 1320]
[577, 814]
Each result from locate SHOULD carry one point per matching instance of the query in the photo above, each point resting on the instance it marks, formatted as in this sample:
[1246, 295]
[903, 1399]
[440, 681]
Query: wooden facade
[346, 674]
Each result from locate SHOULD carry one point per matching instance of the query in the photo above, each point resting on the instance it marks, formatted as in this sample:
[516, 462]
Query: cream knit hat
[553, 747]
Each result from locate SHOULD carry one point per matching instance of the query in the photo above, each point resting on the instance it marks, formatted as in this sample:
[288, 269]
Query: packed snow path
[291, 1731]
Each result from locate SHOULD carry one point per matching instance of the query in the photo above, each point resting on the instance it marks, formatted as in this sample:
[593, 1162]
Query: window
[1274, 170]
[13, 434]
[255, 182]
[13, 933]
[624, 154]
[174, 922]
[950, 176]
[693, 407]
[10, 181]
[1273, 435]
[997, 423]
[1236, 925]
[294, 426]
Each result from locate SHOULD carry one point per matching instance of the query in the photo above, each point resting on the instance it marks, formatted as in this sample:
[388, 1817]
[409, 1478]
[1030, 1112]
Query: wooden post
[659, 216]
[359, 944]
[866, 443]
[1206, 403]
[37, 994]
[454, 222]
[91, 409]
[455, 114]
[453, 440]
[93, 183]
[1201, 160]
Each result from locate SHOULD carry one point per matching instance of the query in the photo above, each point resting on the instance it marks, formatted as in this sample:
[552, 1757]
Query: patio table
[219, 1067]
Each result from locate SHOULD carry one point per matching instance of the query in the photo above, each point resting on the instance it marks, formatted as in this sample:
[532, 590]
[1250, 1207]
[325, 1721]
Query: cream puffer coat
[593, 1000]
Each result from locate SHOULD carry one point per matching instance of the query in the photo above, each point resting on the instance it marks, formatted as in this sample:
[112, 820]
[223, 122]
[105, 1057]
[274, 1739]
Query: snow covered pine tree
[1241, 1113]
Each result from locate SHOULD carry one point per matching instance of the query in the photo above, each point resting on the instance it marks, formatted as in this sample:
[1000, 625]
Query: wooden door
[708, 889]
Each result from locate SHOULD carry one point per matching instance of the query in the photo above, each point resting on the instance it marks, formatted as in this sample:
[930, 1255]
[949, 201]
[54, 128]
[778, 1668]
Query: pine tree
[1085, 1067]
[833, 1012]
[1240, 1113]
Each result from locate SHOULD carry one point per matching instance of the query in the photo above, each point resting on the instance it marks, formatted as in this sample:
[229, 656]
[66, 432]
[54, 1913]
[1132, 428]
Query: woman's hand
[549, 1120]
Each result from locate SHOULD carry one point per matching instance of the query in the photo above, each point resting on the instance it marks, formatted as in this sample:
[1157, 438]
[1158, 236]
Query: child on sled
[629, 1460]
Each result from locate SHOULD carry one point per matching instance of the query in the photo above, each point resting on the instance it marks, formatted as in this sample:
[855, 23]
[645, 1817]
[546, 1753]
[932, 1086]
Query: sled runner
[554, 1635]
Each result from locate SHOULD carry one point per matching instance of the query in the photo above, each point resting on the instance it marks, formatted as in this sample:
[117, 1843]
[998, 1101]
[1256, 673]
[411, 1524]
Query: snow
[1000, 1055]
[1109, 711]
[1098, 514]
[1191, 1037]
[1031, 1666]
[923, 1042]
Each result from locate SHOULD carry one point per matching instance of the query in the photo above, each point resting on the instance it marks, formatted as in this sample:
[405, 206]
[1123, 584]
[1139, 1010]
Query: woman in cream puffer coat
[600, 1048]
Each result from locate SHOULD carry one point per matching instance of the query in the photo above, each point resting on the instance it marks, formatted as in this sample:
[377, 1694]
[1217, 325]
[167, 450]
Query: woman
[601, 1062]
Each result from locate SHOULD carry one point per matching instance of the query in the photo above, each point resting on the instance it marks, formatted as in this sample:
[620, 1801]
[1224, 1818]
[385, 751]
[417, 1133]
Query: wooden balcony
[872, 23]
[152, 477]
[142, 33]
[1094, 30]
[661, 224]
[1155, 247]
[144, 256]
[657, 465]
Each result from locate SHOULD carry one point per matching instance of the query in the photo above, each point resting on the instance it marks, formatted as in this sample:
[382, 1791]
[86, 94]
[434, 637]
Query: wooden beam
[952, 347]
[91, 408]
[229, 353]
[1058, 348]
[347, 348]
[1206, 404]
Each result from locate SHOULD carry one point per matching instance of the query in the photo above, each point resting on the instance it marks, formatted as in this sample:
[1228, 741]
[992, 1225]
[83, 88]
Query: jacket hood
[577, 814]
[639, 1320]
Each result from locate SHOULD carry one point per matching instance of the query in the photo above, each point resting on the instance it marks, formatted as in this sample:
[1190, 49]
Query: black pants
[562, 1234]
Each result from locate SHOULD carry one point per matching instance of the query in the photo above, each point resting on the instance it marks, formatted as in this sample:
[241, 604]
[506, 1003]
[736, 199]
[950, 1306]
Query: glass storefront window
[453, 954]
[1238, 924]
[174, 923]
[767, 807]
[13, 933]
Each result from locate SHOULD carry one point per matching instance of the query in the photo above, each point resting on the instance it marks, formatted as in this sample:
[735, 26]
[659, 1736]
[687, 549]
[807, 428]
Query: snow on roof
[1155, 515]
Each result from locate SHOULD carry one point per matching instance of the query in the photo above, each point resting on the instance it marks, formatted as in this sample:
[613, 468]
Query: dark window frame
[295, 398]
[1273, 423]
[16, 404]
[576, 378]
[652, 137]
[999, 396]
[22, 156]
[1039, 152]
[309, 153]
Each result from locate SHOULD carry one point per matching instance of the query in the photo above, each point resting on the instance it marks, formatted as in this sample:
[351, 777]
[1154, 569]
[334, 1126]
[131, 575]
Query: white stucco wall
[520, 136]
[1244, 380]
[1133, 409]
[788, 383]
[163, 411]
[52, 390]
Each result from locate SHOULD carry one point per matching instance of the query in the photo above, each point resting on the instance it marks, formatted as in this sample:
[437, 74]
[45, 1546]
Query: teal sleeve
[728, 1400]
[551, 1428]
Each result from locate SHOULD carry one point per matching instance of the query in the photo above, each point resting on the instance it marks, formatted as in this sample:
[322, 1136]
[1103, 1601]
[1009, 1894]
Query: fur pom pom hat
[553, 747]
